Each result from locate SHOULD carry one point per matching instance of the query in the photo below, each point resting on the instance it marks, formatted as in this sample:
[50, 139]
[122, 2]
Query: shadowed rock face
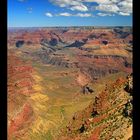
[105, 42]
[128, 110]
[87, 90]
[76, 44]
[122, 33]
[19, 43]
[129, 85]
[53, 42]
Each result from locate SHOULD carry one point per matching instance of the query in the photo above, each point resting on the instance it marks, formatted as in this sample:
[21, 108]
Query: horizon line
[70, 26]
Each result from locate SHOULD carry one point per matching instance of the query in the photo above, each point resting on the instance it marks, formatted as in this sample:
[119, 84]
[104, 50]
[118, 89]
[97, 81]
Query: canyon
[69, 83]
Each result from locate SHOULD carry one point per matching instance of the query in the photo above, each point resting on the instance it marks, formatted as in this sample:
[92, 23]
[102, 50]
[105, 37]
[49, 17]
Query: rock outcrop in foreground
[108, 117]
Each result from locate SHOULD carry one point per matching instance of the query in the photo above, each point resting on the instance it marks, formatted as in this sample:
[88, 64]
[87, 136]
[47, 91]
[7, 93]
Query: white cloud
[98, 1]
[48, 14]
[125, 6]
[79, 8]
[71, 4]
[65, 3]
[65, 14]
[108, 8]
[124, 14]
[120, 7]
[84, 15]
[75, 15]
[105, 14]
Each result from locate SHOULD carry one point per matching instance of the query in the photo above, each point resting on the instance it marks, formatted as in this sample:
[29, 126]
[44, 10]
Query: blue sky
[44, 13]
